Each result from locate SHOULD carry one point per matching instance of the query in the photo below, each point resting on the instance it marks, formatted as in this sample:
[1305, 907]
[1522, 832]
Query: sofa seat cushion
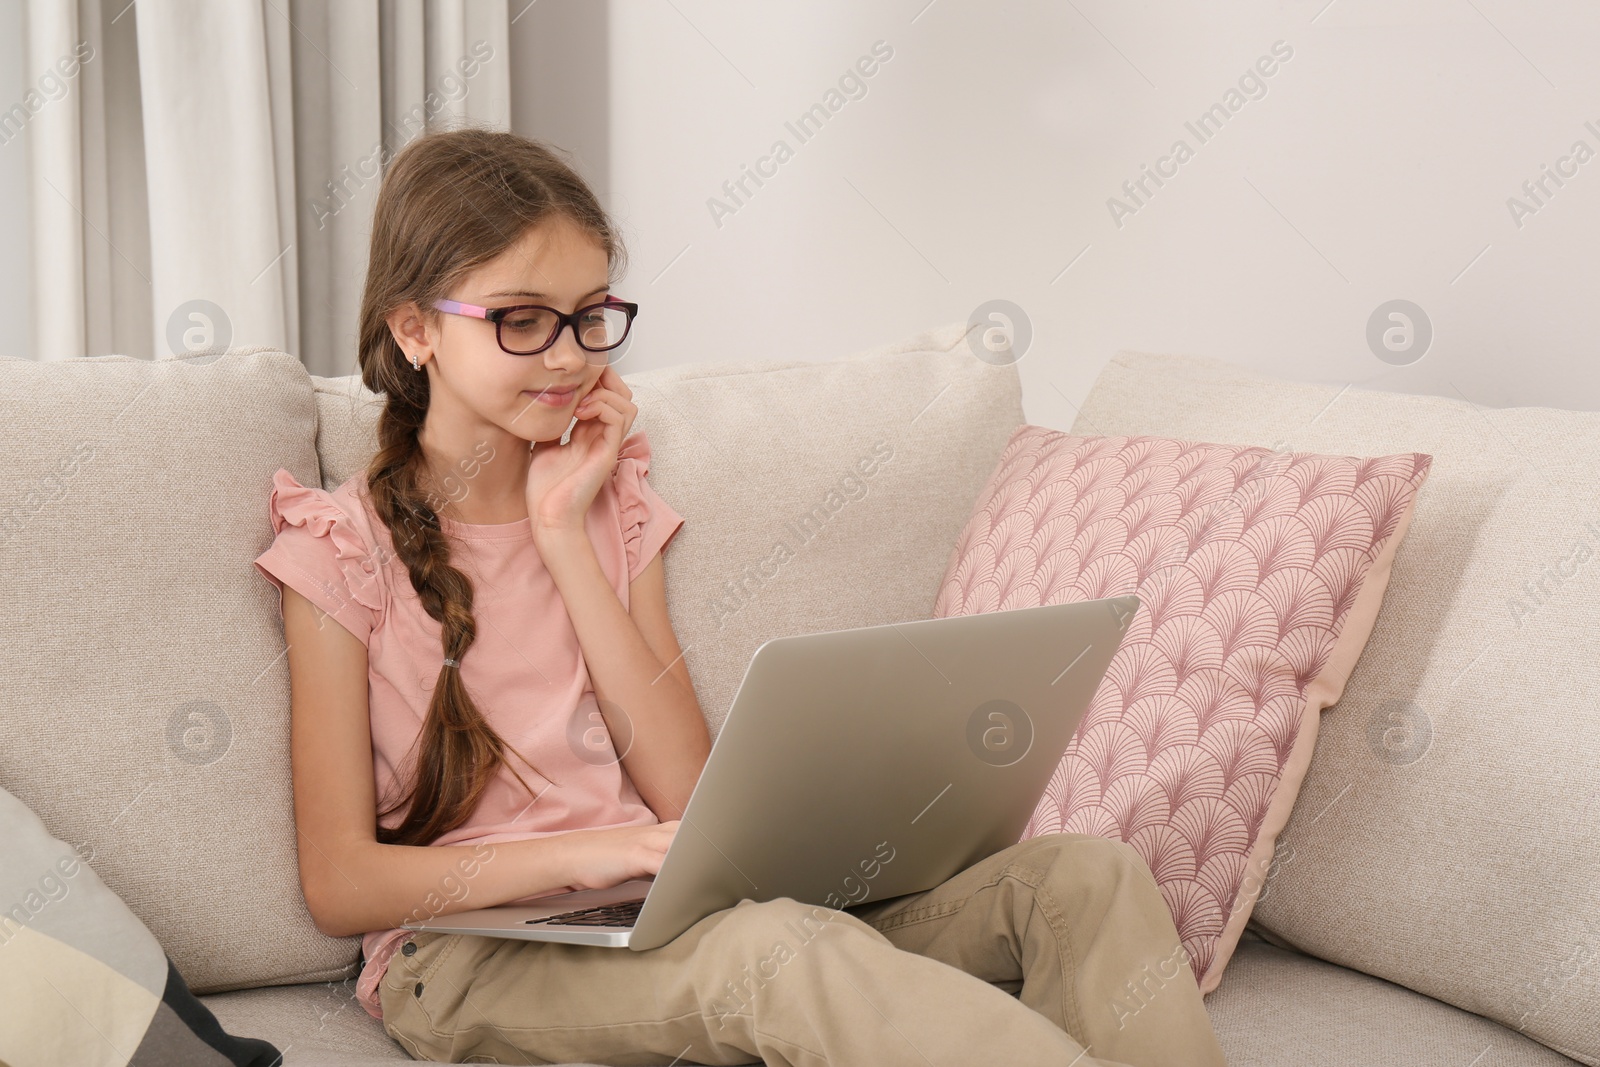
[316, 1024]
[1277, 1007]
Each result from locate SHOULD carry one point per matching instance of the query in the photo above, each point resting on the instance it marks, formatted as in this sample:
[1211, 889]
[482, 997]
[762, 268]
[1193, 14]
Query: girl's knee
[1078, 857]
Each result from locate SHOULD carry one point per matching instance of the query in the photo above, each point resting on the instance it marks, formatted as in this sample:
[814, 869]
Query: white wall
[979, 163]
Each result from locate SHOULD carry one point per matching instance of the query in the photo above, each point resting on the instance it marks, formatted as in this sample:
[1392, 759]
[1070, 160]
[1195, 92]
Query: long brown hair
[450, 200]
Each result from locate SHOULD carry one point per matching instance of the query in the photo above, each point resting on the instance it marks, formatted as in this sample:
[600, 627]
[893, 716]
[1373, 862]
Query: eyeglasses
[528, 329]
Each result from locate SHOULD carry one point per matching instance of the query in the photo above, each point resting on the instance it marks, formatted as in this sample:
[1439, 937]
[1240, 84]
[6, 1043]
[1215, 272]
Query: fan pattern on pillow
[1246, 562]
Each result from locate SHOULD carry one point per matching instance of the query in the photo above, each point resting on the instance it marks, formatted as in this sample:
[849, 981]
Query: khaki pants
[1056, 950]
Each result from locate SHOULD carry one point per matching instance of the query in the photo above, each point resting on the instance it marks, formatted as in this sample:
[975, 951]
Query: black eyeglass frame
[563, 320]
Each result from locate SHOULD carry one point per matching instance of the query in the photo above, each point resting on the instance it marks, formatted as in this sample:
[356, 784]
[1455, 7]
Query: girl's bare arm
[353, 884]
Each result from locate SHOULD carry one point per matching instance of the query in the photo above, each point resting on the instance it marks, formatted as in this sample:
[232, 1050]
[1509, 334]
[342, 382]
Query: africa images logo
[851, 85]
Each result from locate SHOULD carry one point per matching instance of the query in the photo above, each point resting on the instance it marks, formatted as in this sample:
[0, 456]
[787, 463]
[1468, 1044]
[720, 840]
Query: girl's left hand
[563, 480]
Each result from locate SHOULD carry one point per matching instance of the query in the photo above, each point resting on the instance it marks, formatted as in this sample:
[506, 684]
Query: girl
[501, 711]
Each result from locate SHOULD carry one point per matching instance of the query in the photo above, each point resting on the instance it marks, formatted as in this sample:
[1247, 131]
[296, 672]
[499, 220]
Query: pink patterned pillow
[1259, 575]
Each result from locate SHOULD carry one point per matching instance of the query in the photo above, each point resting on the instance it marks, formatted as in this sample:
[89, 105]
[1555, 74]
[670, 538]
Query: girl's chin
[535, 422]
[553, 438]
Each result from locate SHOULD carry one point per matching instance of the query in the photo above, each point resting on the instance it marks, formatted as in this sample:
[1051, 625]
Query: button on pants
[1056, 950]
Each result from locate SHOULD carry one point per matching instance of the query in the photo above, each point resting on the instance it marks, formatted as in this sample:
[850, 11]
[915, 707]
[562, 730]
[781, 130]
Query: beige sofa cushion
[783, 532]
[1447, 835]
[347, 414]
[1278, 1008]
[146, 707]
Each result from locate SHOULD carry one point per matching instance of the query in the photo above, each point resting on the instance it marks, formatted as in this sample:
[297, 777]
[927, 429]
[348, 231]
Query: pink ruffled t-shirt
[526, 671]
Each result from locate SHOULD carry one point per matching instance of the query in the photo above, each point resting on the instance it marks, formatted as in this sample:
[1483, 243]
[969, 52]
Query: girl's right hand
[604, 858]
[563, 480]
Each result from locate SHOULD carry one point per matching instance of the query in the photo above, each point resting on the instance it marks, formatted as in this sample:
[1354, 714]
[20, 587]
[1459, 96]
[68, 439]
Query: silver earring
[414, 364]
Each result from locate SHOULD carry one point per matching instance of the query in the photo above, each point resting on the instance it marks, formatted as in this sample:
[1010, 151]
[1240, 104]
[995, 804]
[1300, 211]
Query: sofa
[1433, 902]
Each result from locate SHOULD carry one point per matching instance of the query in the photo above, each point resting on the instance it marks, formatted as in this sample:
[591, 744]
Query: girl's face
[475, 384]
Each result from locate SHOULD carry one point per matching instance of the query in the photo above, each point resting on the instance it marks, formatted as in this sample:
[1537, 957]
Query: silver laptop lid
[867, 763]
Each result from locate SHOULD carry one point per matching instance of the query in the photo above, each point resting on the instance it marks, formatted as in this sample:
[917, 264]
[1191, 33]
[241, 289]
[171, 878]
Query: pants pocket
[407, 971]
[405, 1016]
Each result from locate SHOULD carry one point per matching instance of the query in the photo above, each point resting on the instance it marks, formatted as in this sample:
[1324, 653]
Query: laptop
[853, 766]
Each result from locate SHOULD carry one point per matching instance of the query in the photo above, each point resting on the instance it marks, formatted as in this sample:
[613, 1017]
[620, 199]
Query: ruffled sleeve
[320, 553]
[648, 521]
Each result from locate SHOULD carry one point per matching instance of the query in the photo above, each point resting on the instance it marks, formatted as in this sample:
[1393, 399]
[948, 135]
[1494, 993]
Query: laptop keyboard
[620, 914]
